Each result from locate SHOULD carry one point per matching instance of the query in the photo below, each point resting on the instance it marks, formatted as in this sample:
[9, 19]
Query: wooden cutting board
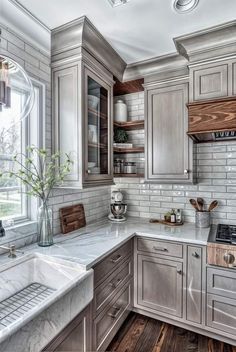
[164, 222]
[72, 218]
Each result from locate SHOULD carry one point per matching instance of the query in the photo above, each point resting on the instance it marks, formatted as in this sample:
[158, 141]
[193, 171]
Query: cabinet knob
[229, 258]
[195, 255]
[179, 272]
[186, 171]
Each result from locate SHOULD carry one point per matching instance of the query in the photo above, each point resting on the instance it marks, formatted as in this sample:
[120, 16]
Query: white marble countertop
[94, 242]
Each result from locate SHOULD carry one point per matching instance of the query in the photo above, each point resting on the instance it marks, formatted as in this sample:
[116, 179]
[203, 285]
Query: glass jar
[45, 233]
[130, 167]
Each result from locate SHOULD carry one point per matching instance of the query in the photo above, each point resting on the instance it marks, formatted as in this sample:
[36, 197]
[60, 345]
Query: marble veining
[57, 274]
[91, 244]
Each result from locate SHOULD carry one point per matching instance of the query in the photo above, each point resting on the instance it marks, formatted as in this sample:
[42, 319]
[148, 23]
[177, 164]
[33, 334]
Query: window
[15, 136]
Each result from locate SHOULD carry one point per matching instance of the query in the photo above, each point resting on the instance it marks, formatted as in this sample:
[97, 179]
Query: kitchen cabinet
[76, 337]
[113, 282]
[212, 80]
[221, 300]
[82, 113]
[194, 292]
[160, 285]
[169, 151]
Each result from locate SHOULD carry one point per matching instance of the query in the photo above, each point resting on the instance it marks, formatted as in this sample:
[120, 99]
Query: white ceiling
[139, 30]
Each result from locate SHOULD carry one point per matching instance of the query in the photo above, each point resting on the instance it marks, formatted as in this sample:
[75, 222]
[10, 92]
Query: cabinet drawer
[107, 323]
[110, 263]
[160, 247]
[221, 313]
[221, 282]
[104, 292]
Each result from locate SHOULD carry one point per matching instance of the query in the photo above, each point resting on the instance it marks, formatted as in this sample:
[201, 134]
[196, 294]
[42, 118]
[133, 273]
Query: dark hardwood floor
[143, 334]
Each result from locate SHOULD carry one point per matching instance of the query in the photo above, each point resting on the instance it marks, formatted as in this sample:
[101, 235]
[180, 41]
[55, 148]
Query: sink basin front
[31, 283]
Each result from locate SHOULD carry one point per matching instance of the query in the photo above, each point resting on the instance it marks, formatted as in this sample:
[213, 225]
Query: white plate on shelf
[93, 101]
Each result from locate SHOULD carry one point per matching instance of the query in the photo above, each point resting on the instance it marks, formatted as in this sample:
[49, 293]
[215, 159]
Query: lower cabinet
[169, 280]
[108, 322]
[221, 299]
[160, 285]
[194, 284]
[76, 337]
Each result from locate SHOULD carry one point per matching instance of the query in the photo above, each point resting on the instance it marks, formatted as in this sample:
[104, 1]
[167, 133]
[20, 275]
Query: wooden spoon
[200, 203]
[213, 205]
[194, 203]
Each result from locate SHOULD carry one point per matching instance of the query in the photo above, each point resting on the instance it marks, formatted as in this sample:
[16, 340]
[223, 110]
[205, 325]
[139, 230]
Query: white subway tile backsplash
[216, 170]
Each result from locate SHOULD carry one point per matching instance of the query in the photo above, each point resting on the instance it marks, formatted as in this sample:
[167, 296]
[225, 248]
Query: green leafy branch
[39, 171]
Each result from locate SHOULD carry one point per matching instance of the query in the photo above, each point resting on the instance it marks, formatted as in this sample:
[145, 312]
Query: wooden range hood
[212, 120]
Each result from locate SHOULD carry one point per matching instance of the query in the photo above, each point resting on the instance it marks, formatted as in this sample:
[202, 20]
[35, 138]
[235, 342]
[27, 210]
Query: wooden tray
[72, 218]
[164, 222]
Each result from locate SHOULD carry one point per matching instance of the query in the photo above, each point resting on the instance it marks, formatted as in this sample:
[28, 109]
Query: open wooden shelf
[128, 175]
[128, 150]
[130, 125]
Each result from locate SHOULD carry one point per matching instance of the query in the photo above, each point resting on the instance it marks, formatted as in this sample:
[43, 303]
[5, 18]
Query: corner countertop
[94, 242]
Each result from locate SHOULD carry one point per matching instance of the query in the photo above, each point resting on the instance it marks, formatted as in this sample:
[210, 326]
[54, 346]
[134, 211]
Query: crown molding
[160, 67]
[30, 29]
[214, 42]
[79, 33]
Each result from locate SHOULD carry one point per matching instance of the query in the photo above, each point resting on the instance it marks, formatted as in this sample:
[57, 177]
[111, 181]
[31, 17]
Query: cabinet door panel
[194, 284]
[221, 313]
[65, 109]
[167, 144]
[234, 78]
[76, 337]
[160, 285]
[211, 82]
[98, 135]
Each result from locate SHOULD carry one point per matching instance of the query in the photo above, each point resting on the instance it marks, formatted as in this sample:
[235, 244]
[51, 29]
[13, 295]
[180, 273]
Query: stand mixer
[117, 207]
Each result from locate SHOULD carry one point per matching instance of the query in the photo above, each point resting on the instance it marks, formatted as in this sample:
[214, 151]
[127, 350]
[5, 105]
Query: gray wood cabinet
[82, 117]
[212, 80]
[113, 295]
[160, 285]
[76, 337]
[169, 151]
[194, 292]
[221, 300]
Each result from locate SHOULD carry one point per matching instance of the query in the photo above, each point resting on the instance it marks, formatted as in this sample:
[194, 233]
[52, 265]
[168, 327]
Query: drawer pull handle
[161, 249]
[115, 315]
[179, 272]
[195, 255]
[116, 260]
[115, 284]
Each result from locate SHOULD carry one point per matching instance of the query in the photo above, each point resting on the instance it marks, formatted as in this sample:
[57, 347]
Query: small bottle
[172, 216]
[178, 216]
[2, 231]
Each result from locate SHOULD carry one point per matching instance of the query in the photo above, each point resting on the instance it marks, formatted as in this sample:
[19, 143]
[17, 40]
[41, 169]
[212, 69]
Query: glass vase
[45, 234]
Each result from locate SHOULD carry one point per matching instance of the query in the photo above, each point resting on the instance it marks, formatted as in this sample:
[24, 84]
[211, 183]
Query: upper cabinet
[212, 80]
[169, 154]
[83, 65]
[211, 61]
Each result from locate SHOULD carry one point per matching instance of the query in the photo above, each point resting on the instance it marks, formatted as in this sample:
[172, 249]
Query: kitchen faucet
[12, 250]
[2, 230]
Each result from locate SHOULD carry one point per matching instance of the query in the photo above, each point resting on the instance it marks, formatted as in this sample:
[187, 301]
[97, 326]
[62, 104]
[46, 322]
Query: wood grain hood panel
[212, 116]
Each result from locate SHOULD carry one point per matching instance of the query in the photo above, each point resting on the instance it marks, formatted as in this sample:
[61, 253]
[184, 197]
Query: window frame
[30, 204]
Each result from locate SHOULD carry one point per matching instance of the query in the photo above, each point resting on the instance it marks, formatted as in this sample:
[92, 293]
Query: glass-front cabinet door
[98, 138]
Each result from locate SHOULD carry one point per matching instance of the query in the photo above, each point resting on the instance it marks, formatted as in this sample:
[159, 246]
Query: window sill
[21, 234]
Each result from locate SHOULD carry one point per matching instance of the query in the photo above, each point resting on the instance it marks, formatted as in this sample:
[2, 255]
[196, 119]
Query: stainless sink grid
[14, 307]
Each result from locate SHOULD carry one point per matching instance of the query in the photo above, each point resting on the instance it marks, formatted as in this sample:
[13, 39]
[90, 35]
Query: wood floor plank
[121, 335]
[149, 337]
[131, 336]
[144, 334]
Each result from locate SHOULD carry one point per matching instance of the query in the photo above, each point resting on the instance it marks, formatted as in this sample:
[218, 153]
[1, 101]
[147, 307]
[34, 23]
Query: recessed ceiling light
[118, 2]
[183, 6]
